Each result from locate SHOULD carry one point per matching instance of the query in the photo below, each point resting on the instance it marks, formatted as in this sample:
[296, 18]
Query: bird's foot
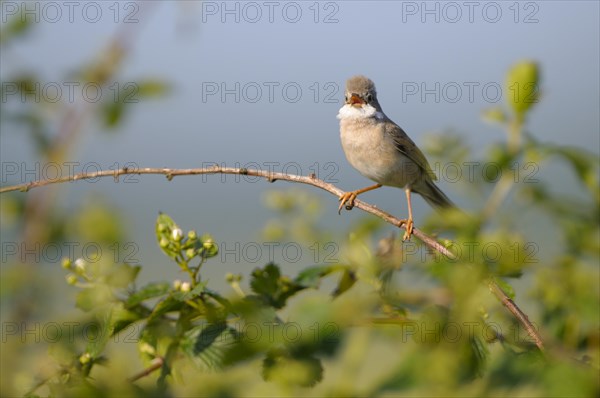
[409, 225]
[348, 200]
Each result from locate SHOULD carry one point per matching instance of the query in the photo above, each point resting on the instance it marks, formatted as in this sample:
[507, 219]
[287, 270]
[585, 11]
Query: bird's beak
[356, 100]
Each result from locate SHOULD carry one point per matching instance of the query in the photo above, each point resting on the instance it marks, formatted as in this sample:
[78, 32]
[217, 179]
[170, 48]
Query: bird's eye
[369, 97]
[346, 97]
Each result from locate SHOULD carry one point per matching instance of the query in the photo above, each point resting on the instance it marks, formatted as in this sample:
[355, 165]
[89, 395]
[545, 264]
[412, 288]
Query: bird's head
[360, 91]
[360, 99]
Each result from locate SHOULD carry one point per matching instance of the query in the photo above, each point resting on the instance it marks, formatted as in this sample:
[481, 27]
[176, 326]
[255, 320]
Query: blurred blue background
[305, 51]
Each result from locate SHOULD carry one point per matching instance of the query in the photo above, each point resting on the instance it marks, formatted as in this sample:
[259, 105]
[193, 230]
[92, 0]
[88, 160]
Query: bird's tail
[434, 196]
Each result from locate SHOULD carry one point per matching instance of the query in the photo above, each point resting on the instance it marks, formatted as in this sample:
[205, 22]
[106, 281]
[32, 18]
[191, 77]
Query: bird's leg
[409, 223]
[348, 197]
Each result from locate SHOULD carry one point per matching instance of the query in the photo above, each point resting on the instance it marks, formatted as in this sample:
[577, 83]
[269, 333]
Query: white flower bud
[186, 287]
[177, 234]
[80, 265]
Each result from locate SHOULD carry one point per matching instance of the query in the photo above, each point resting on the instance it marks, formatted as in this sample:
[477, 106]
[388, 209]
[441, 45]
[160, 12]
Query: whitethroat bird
[380, 150]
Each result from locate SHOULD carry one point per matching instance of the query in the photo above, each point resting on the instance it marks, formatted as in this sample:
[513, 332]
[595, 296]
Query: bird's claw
[348, 200]
[409, 225]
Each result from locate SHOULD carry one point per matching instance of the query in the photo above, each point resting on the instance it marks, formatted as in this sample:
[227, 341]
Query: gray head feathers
[360, 85]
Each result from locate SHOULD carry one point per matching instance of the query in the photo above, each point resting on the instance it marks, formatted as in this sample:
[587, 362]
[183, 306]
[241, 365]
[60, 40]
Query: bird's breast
[372, 152]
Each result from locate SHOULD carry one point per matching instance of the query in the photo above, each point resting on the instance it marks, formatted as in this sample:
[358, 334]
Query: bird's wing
[408, 148]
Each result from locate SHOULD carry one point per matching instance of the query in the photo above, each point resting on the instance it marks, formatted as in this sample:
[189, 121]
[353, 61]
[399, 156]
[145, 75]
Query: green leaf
[494, 115]
[522, 87]
[506, 254]
[152, 88]
[15, 27]
[480, 353]
[253, 309]
[93, 297]
[272, 287]
[311, 277]
[98, 221]
[96, 343]
[167, 305]
[167, 366]
[584, 164]
[282, 368]
[347, 280]
[506, 287]
[207, 344]
[122, 318]
[433, 318]
[26, 83]
[217, 297]
[122, 275]
[149, 291]
[164, 224]
[112, 113]
[265, 281]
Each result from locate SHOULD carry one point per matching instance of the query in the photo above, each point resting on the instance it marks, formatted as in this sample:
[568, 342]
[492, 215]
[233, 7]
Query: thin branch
[309, 180]
[516, 311]
[37, 385]
[156, 364]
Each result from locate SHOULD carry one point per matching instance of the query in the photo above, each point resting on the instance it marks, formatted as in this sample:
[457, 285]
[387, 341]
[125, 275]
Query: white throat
[361, 112]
